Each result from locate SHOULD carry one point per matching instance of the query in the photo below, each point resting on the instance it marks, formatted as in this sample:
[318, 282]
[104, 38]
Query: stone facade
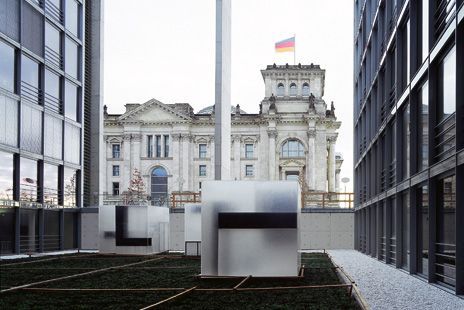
[293, 132]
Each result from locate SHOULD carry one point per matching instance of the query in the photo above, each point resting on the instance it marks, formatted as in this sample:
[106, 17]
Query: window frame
[202, 171]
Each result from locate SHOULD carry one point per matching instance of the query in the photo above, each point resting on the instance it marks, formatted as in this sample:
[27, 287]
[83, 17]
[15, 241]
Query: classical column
[331, 163]
[176, 154]
[311, 160]
[127, 160]
[321, 160]
[236, 172]
[136, 145]
[185, 161]
[272, 134]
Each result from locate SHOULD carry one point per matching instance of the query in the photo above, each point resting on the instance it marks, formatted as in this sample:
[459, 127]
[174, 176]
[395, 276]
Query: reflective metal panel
[134, 229]
[192, 222]
[223, 250]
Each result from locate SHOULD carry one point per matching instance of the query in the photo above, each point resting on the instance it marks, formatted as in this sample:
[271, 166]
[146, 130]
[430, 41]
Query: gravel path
[385, 287]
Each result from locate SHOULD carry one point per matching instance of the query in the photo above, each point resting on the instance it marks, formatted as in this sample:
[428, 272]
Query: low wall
[319, 229]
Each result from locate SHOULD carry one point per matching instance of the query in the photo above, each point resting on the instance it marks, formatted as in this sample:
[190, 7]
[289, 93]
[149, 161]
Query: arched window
[293, 89]
[292, 148]
[280, 90]
[159, 186]
[305, 90]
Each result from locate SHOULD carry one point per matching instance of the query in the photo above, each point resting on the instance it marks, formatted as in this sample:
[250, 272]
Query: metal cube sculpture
[250, 228]
[133, 229]
[192, 229]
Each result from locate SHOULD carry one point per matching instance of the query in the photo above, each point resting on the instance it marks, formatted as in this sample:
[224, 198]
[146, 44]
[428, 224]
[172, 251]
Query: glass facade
[40, 115]
[409, 135]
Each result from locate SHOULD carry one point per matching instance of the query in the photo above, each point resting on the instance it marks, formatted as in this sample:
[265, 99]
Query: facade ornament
[105, 112]
[136, 137]
[331, 140]
[237, 110]
[311, 133]
[272, 133]
[236, 138]
[312, 99]
[176, 137]
[127, 136]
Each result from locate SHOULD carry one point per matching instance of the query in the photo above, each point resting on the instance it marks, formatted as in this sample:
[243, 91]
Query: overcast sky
[164, 49]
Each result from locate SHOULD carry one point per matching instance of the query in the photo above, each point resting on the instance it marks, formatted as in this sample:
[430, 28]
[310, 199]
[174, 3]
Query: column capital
[272, 133]
[136, 137]
[332, 139]
[311, 133]
[176, 137]
[236, 138]
[127, 136]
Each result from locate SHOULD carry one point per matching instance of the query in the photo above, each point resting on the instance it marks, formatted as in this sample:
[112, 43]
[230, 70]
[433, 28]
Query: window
[166, 146]
[280, 90]
[32, 25]
[52, 44]
[405, 142]
[72, 146]
[7, 67]
[53, 9]
[405, 231]
[149, 146]
[30, 79]
[305, 90]
[447, 85]
[248, 150]
[115, 170]
[31, 129]
[52, 92]
[158, 146]
[72, 58]
[159, 186]
[72, 17]
[293, 89]
[71, 103]
[10, 18]
[28, 180]
[6, 176]
[292, 148]
[50, 183]
[202, 171]
[115, 188]
[202, 150]
[116, 150]
[423, 130]
[445, 255]
[8, 121]
[70, 187]
[249, 170]
[423, 231]
[425, 29]
[53, 136]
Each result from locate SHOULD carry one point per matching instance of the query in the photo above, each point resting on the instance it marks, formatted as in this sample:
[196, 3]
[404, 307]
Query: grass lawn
[150, 272]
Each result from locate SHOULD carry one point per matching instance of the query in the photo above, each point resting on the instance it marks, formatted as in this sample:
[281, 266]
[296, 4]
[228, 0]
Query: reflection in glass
[292, 148]
[8, 121]
[7, 72]
[52, 44]
[6, 176]
[71, 59]
[29, 79]
[406, 139]
[248, 150]
[52, 91]
[392, 223]
[28, 179]
[447, 85]
[405, 232]
[445, 251]
[50, 184]
[70, 187]
[425, 29]
[424, 126]
[423, 231]
[202, 150]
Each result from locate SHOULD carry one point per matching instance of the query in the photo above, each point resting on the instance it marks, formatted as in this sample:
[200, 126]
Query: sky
[164, 49]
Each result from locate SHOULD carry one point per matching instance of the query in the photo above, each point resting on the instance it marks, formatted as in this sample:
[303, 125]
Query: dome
[209, 110]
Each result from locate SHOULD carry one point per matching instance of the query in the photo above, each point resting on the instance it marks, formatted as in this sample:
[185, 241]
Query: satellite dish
[345, 180]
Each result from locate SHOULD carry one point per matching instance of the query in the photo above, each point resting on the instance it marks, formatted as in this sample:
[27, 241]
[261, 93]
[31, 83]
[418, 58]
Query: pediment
[153, 111]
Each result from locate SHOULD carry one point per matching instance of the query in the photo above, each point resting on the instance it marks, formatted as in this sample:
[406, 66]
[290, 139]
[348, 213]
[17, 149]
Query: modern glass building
[409, 136]
[43, 76]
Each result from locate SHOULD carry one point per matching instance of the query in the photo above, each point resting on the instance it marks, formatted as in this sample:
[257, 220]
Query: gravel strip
[385, 287]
